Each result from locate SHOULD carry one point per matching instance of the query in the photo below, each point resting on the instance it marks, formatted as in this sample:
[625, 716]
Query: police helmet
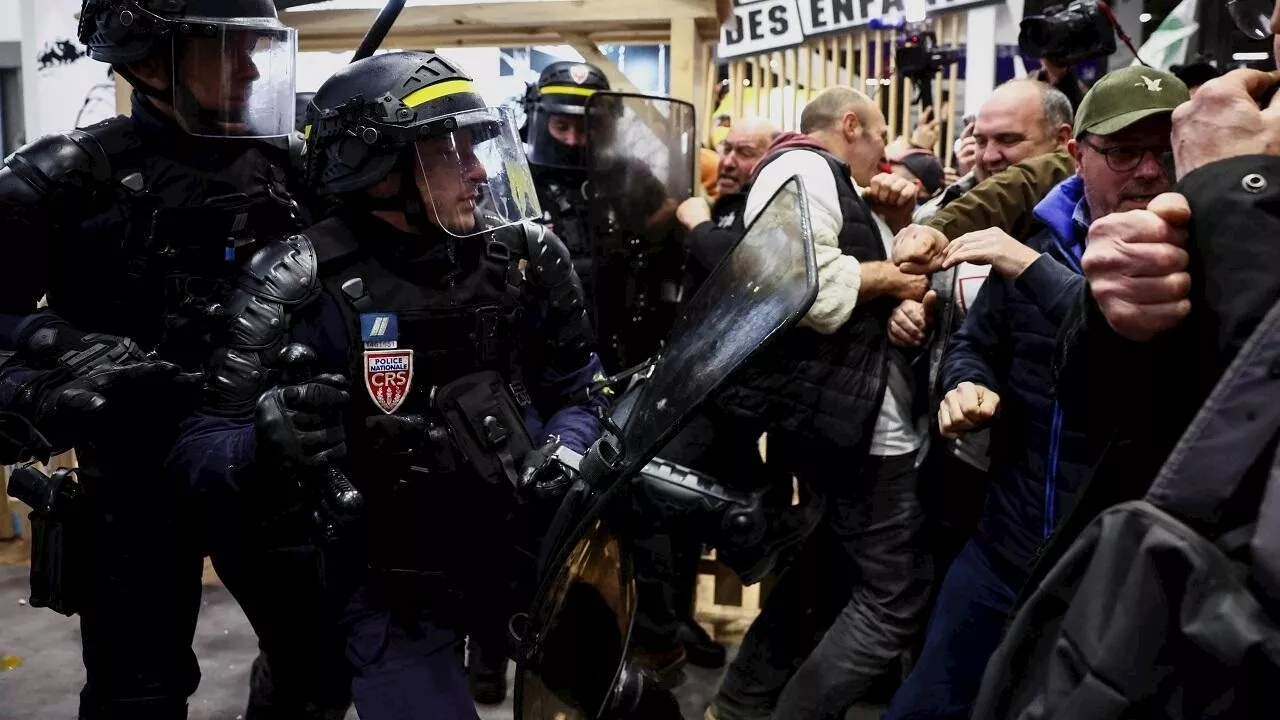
[460, 160]
[556, 109]
[230, 62]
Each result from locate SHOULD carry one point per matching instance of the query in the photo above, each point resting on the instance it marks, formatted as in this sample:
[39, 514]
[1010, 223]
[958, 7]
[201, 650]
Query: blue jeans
[968, 620]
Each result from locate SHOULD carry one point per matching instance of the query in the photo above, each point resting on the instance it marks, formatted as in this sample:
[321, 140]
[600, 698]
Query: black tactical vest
[458, 308]
[825, 387]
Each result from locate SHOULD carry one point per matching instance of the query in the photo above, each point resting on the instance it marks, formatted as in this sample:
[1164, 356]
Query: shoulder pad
[332, 240]
[284, 271]
[57, 165]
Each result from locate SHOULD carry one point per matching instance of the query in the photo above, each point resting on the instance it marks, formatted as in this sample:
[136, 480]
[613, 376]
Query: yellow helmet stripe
[306, 132]
[567, 90]
[437, 91]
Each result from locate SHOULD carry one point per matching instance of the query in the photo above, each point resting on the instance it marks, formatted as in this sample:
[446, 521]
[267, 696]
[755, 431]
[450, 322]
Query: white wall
[10, 21]
[60, 96]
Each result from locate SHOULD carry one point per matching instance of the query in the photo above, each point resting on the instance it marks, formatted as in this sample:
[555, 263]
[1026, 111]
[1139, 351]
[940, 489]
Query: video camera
[1068, 34]
[919, 59]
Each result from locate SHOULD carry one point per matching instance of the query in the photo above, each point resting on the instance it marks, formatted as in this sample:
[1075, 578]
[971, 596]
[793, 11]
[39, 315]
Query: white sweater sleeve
[839, 275]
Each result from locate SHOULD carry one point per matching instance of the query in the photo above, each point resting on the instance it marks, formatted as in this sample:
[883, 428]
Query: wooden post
[757, 80]
[710, 79]
[685, 45]
[124, 91]
[769, 85]
[863, 59]
[789, 75]
[953, 72]
[737, 73]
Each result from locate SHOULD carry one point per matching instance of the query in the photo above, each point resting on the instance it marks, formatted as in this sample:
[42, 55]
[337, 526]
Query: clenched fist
[1224, 120]
[919, 249]
[892, 198]
[1136, 266]
[910, 321]
[966, 150]
[968, 407]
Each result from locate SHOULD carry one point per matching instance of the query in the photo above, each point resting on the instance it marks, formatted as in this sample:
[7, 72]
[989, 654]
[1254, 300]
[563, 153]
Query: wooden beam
[543, 13]
[480, 37]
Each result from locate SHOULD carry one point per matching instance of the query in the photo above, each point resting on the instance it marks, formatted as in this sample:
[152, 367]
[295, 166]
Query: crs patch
[388, 375]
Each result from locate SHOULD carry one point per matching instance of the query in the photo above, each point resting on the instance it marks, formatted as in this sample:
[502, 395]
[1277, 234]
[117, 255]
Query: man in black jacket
[714, 229]
[1188, 278]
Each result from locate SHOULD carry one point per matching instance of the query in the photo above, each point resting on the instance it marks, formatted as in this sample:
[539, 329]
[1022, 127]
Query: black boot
[488, 675]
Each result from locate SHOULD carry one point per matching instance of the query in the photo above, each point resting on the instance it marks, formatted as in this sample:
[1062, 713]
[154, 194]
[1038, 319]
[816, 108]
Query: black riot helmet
[229, 64]
[460, 162]
[556, 109]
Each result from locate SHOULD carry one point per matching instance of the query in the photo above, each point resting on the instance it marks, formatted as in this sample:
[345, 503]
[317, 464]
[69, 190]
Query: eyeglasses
[1123, 158]
[1252, 17]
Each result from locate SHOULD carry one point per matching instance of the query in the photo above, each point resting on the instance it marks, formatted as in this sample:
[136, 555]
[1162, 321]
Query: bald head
[851, 126]
[1022, 119]
[829, 107]
[740, 152]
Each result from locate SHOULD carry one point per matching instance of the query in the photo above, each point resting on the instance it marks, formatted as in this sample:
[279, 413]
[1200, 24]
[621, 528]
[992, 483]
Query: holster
[58, 536]
[486, 425]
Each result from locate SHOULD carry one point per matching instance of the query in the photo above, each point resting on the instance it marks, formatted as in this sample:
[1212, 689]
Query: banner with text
[763, 25]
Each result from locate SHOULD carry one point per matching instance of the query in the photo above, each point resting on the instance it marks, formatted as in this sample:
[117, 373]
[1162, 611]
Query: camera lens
[1252, 17]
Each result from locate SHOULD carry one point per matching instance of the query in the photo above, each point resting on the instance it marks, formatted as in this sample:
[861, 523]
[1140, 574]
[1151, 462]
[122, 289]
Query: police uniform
[464, 332]
[604, 204]
[132, 229]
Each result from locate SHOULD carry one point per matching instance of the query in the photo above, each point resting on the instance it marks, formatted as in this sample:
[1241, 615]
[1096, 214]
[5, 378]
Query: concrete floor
[46, 684]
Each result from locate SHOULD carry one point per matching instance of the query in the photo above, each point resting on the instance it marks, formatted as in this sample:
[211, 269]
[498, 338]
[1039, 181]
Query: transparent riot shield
[640, 154]
[574, 662]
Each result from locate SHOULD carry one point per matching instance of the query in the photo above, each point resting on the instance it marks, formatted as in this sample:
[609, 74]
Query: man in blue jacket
[999, 372]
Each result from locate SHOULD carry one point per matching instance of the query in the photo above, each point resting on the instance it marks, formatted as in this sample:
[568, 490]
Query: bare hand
[918, 249]
[1137, 268]
[892, 198]
[926, 133]
[693, 212]
[993, 247]
[910, 321]
[908, 287]
[1224, 120]
[967, 153]
[967, 407]
[950, 176]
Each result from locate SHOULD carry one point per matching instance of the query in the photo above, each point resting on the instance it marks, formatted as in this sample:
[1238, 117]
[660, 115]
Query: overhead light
[1247, 56]
[746, 82]
[886, 81]
[872, 81]
[1144, 17]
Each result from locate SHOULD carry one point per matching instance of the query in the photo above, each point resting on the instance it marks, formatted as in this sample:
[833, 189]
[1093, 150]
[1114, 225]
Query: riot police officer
[590, 154]
[467, 330]
[132, 230]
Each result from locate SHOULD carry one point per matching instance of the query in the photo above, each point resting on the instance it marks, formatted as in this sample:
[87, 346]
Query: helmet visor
[234, 78]
[474, 178]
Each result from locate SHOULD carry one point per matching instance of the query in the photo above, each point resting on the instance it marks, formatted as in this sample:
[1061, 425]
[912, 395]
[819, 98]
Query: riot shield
[574, 660]
[640, 154]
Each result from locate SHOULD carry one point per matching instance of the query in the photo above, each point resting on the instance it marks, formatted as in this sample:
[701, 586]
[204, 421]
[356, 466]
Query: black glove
[80, 377]
[301, 425]
[542, 477]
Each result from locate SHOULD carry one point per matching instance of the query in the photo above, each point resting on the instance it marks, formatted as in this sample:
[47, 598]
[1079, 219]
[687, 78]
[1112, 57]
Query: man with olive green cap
[998, 373]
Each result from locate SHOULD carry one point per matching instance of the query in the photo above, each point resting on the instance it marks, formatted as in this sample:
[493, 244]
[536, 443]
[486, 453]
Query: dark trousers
[145, 561]
[968, 620]
[849, 604]
[408, 666]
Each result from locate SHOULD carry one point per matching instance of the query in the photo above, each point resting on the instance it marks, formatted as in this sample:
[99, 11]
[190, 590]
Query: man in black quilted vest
[835, 399]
